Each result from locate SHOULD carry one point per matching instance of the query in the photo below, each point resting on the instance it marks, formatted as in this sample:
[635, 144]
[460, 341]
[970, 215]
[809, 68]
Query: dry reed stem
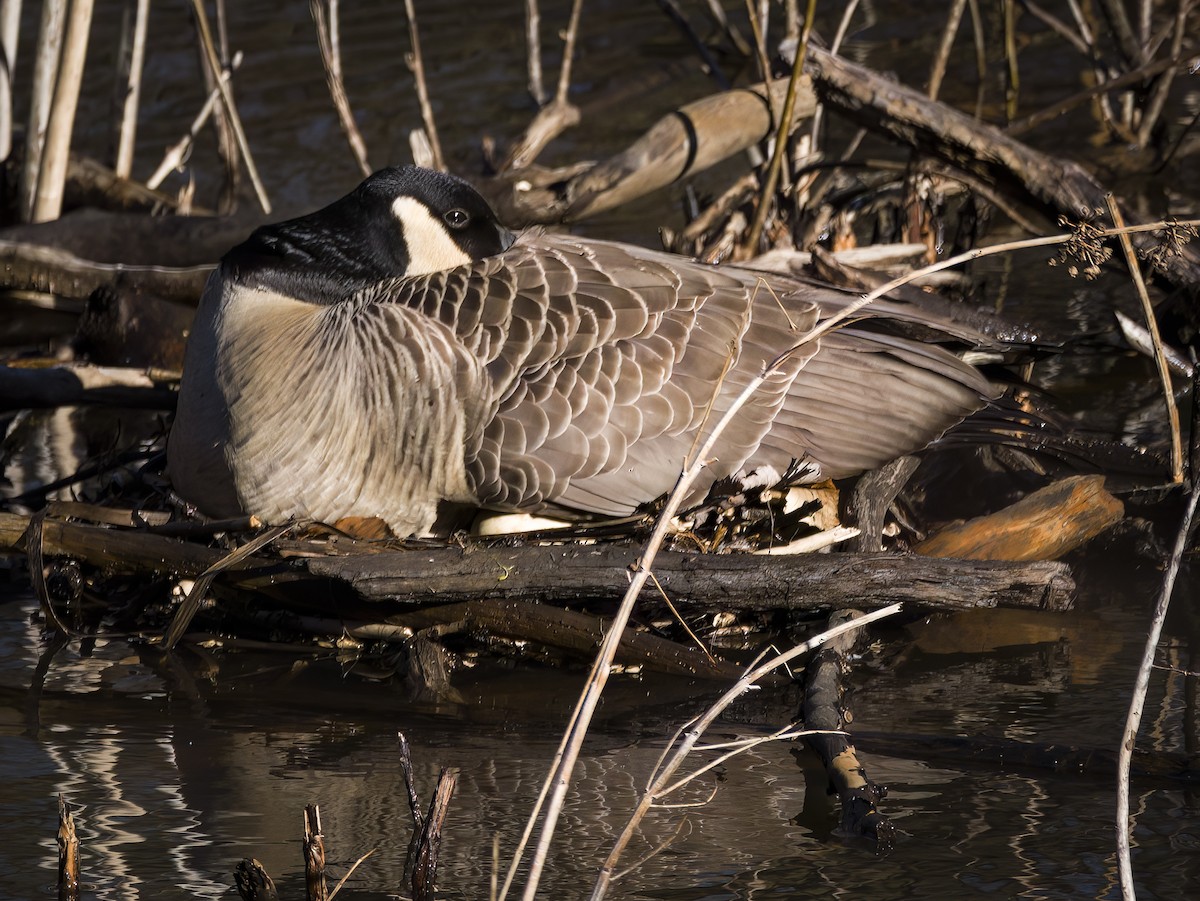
[686, 738]
[331, 59]
[235, 121]
[1160, 358]
[52, 174]
[555, 117]
[417, 67]
[131, 70]
[818, 116]
[1152, 111]
[350, 872]
[750, 247]
[533, 43]
[191, 603]
[10, 20]
[45, 67]
[1021, 126]
[1012, 72]
[938, 71]
[1137, 701]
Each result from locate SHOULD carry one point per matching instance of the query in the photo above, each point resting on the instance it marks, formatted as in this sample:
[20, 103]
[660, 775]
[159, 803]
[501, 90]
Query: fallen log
[564, 574]
[573, 573]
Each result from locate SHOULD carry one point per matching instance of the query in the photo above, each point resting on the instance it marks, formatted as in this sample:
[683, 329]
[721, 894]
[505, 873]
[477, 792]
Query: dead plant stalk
[1138, 700]
[417, 67]
[1160, 357]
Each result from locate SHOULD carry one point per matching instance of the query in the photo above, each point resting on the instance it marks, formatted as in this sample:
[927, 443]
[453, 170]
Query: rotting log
[571, 573]
[1044, 525]
[747, 582]
[1054, 185]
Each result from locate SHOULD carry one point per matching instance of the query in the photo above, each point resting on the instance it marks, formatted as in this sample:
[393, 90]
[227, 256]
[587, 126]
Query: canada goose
[400, 349]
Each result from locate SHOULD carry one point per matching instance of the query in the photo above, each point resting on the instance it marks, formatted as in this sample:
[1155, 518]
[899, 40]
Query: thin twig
[350, 872]
[555, 117]
[131, 71]
[1020, 126]
[331, 59]
[1138, 700]
[417, 67]
[1164, 371]
[679, 618]
[1012, 82]
[235, 121]
[178, 152]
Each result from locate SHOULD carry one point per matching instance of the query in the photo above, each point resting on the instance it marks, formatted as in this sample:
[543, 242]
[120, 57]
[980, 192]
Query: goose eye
[457, 218]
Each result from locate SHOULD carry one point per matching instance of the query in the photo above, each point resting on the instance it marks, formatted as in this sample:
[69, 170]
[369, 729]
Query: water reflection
[175, 784]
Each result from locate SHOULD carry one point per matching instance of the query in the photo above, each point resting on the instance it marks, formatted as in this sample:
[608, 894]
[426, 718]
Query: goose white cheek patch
[430, 246]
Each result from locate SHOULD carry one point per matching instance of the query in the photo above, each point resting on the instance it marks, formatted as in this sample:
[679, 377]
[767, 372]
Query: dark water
[181, 766]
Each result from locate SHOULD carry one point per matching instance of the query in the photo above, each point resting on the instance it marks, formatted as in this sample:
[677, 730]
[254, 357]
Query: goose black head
[402, 221]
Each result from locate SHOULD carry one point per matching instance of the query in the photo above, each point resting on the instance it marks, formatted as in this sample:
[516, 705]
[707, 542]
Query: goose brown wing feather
[604, 360]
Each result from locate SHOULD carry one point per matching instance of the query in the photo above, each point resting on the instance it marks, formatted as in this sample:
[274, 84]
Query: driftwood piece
[1052, 184]
[716, 581]
[686, 141]
[64, 386]
[1045, 525]
[824, 709]
[29, 267]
